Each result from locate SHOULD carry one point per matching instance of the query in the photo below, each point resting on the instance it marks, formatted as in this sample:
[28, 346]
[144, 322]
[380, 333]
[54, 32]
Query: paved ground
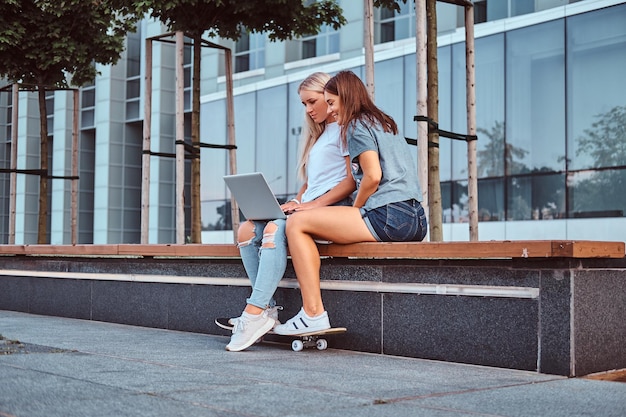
[65, 367]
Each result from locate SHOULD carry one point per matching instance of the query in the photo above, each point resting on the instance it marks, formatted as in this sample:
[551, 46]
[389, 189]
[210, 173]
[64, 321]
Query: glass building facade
[550, 113]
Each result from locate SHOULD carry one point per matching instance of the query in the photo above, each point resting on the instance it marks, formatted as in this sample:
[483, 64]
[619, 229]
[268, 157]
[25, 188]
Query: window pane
[519, 7]
[597, 193]
[497, 9]
[214, 161]
[271, 138]
[388, 81]
[445, 110]
[308, 48]
[489, 63]
[295, 123]
[596, 89]
[333, 43]
[539, 197]
[88, 97]
[132, 88]
[242, 63]
[491, 200]
[243, 44]
[87, 118]
[459, 209]
[535, 115]
[387, 32]
[245, 128]
[132, 110]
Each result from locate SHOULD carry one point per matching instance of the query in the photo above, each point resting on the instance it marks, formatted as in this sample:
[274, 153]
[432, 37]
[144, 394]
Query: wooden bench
[507, 249]
[553, 306]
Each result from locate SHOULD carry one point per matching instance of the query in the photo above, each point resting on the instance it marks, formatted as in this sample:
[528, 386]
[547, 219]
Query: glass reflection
[597, 193]
[535, 115]
[540, 197]
[596, 45]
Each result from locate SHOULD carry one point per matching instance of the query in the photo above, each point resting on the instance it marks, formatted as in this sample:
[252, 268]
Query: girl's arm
[372, 174]
[291, 204]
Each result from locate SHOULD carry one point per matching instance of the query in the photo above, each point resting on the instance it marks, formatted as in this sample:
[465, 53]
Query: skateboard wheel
[297, 345]
[321, 344]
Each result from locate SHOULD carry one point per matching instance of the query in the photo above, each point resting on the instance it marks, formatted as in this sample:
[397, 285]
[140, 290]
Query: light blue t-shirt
[399, 180]
[326, 166]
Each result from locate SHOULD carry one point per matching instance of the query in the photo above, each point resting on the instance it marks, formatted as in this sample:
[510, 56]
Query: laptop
[254, 196]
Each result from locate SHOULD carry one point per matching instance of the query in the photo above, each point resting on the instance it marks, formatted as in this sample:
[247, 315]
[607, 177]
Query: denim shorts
[404, 221]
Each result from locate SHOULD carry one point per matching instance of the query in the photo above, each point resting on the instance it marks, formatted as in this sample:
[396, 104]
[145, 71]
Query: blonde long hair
[311, 130]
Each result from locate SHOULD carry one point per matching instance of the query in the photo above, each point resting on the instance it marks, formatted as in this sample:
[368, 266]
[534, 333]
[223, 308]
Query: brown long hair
[356, 103]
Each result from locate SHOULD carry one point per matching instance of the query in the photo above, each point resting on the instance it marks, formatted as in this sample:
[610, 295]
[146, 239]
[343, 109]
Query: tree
[281, 20]
[605, 143]
[368, 36]
[44, 41]
[496, 153]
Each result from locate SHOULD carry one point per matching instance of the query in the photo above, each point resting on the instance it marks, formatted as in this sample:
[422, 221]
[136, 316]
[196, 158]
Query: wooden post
[435, 219]
[368, 42]
[472, 169]
[13, 175]
[145, 158]
[74, 185]
[422, 98]
[180, 139]
[230, 123]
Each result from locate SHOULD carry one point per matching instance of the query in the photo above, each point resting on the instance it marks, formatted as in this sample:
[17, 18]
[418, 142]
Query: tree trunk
[42, 223]
[180, 140]
[434, 185]
[196, 222]
[368, 42]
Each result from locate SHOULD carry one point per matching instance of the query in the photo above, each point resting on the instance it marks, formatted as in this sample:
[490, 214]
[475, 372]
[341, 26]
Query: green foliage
[491, 158]
[42, 41]
[280, 19]
[389, 4]
[605, 141]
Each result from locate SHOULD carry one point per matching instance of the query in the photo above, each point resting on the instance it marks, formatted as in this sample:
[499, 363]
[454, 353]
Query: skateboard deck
[311, 339]
[298, 342]
[223, 323]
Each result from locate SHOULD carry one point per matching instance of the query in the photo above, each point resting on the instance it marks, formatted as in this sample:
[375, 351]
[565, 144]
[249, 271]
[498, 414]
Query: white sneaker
[301, 323]
[229, 324]
[273, 313]
[248, 329]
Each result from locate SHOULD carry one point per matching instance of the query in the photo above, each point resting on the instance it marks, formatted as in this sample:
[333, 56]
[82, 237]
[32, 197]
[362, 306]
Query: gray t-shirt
[399, 180]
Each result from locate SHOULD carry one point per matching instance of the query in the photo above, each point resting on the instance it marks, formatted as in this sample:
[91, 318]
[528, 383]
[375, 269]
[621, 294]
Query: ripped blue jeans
[264, 256]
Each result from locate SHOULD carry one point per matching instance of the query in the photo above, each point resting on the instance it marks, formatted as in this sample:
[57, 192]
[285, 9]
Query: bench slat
[368, 250]
[478, 250]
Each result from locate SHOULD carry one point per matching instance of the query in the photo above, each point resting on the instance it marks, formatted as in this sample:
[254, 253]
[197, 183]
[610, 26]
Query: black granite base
[575, 326]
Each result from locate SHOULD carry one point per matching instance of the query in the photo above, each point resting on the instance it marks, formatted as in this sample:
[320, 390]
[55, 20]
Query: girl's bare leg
[335, 223]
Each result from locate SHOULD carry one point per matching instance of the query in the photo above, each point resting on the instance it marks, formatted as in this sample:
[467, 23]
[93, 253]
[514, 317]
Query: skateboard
[312, 339]
[223, 323]
[298, 342]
